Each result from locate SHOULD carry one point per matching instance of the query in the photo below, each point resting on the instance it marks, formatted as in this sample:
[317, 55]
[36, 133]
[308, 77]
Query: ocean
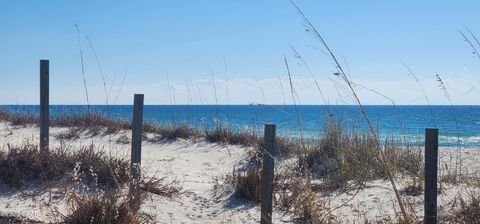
[458, 125]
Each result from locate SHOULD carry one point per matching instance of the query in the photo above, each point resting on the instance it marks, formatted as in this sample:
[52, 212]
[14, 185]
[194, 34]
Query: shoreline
[251, 121]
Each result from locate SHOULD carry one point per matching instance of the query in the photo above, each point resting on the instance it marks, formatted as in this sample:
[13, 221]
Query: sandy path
[193, 164]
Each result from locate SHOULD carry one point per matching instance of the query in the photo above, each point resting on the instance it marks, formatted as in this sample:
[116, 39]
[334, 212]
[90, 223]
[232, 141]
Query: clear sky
[190, 40]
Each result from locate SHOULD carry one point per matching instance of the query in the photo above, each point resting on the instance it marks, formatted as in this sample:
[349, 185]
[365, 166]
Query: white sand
[195, 165]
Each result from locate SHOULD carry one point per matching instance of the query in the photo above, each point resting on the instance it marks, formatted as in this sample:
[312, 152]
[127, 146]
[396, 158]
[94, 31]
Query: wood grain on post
[44, 105]
[267, 173]
[137, 123]
[431, 167]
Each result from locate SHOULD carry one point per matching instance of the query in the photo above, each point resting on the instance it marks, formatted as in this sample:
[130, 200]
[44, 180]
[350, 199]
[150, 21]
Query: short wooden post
[431, 167]
[44, 105]
[137, 136]
[267, 173]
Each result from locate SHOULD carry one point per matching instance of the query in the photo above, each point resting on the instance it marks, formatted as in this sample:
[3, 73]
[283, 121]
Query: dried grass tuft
[105, 208]
[342, 156]
[172, 132]
[23, 163]
[159, 186]
[17, 118]
[464, 210]
[221, 133]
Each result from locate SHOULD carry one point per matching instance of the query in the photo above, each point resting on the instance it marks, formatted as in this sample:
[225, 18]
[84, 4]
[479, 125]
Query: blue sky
[189, 40]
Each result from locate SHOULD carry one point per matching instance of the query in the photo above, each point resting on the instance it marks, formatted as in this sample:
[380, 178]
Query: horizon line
[86, 105]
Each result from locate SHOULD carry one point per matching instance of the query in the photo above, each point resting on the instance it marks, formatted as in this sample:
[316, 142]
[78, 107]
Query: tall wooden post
[431, 167]
[137, 123]
[44, 105]
[267, 173]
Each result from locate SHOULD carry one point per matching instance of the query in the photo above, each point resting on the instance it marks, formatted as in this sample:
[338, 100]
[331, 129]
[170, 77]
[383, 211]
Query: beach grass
[20, 164]
[338, 157]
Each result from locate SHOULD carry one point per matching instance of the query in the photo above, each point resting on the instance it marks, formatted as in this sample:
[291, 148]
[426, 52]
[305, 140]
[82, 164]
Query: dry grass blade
[161, 187]
[83, 66]
[412, 74]
[299, 57]
[90, 44]
[470, 43]
[458, 162]
[120, 89]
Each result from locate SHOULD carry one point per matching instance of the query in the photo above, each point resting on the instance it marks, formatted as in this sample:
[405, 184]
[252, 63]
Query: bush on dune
[106, 208]
[18, 118]
[172, 132]
[342, 156]
[24, 163]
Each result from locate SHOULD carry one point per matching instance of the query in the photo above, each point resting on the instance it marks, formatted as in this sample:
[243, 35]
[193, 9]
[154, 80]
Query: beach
[304, 112]
[195, 164]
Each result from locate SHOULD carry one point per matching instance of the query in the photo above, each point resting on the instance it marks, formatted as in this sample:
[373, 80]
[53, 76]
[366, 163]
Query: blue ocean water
[459, 125]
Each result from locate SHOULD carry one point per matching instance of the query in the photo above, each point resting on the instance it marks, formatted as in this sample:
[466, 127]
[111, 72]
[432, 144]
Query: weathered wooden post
[267, 173]
[431, 167]
[137, 122]
[44, 105]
